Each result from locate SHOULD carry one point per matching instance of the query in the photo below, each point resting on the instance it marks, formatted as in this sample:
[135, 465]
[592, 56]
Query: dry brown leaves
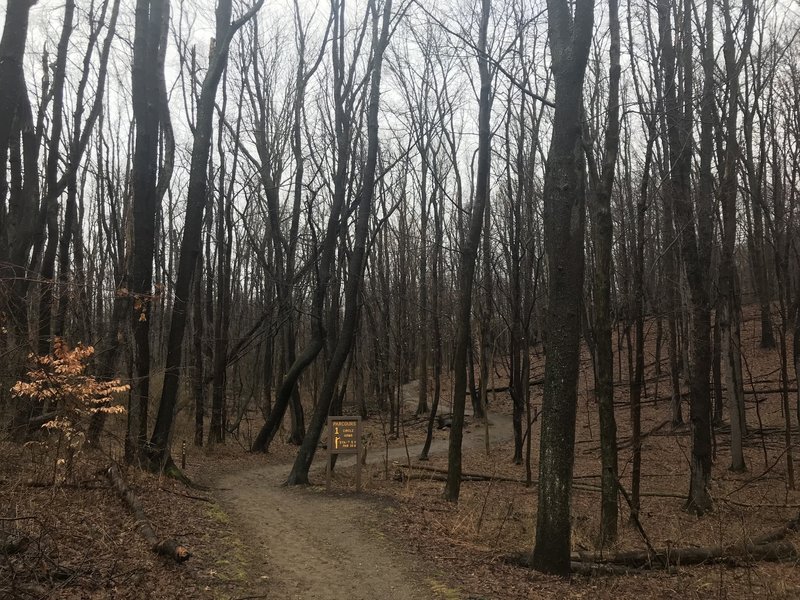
[84, 543]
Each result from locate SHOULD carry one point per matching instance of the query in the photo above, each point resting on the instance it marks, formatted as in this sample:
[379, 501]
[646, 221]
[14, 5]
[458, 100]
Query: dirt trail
[317, 545]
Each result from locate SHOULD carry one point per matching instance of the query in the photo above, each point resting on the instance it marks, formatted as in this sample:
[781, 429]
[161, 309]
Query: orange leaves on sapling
[61, 378]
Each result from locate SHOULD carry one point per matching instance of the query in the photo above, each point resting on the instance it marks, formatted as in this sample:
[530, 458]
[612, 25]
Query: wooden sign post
[344, 437]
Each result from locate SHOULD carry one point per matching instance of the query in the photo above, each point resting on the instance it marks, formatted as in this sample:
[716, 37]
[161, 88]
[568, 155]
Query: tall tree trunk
[469, 253]
[602, 184]
[487, 336]
[637, 382]
[16, 120]
[564, 218]
[424, 334]
[342, 104]
[695, 247]
[148, 46]
[781, 237]
[79, 140]
[729, 295]
[435, 321]
[198, 383]
[716, 369]
[219, 408]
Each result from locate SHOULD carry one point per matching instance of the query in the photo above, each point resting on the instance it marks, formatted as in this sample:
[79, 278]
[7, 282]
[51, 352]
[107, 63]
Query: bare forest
[540, 258]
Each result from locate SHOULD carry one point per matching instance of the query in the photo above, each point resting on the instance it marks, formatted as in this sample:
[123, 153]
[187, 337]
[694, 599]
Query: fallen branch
[761, 505]
[91, 484]
[635, 515]
[170, 547]
[466, 477]
[622, 444]
[400, 476]
[505, 388]
[189, 496]
[38, 421]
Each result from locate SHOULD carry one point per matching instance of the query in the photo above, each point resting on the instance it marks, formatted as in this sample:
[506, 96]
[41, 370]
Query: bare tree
[730, 300]
[695, 236]
[469, 254]
[20, 141]
[601, 185]
[80, 137]
[196, 201]
[344, 341]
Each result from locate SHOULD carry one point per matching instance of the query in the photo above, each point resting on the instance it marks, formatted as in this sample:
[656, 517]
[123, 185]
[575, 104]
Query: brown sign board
[344, 437]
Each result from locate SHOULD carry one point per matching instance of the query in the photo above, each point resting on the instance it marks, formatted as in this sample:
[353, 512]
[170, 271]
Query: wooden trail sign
[344, 437]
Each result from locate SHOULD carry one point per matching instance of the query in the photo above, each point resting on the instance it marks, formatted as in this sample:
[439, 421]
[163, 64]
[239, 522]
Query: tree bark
[16, 121]
[198, 383]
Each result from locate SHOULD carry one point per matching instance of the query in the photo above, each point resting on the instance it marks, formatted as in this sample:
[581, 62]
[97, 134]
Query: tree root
[169, 547]
[155, 464]
[172, 471]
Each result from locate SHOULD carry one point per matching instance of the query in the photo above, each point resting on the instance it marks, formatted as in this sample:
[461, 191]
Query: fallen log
[400, 476]
[169, 547]
[189, 496]
[732, 555]
[91, 484]
[779, 533]
[464, 475]
[587, 569]
[504, 388]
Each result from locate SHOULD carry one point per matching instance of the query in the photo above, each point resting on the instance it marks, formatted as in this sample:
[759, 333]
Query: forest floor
[253, 538]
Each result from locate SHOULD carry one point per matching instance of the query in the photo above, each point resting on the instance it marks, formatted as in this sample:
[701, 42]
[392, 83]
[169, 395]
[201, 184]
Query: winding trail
[317, 545]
